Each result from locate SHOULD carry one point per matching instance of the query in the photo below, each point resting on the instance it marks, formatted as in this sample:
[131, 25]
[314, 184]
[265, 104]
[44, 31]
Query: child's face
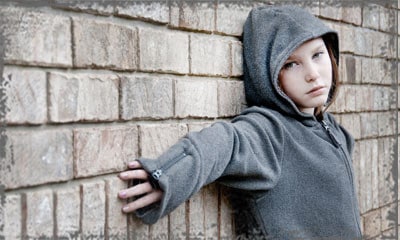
[306, 76]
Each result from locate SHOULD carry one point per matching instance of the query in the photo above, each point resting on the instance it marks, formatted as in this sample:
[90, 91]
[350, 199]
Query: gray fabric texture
[289, 177]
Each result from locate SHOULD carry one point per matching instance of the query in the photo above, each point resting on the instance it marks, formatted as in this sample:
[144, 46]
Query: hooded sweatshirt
[290, 173]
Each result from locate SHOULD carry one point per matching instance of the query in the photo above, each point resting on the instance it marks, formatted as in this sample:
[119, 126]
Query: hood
[270, 35]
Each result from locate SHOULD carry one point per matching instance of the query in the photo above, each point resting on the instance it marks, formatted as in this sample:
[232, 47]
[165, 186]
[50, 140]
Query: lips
[317, 90]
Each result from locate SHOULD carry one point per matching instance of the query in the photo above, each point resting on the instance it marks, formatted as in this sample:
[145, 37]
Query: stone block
[103, 150]
[373, 146]
[116, 220]
[194, 15]
[386, 169]
[371, 16]
[67, 212]
[352, 123]
[26, 97]
[380, 98]
[231, 98]
[331, 9]
[365, 177]
[36, 38]
[136, 229]
[197, 206]
[154, 139]
[164, 51]
[83, 97]
[179, 225]
[146, 97]
[159, 230]
[362, 41]
[93, 210]
[372, 224]
[237, 58]
[387, 20]
[352, 14]
[350, 97]
[226, 230]
[11, 213]
[153, 11]
[210, 195]
[48, 152]
[210, 55]
[369, 125]
[39, 214]
[388, 216]
[99, 7]
[196, 98]
[104, 44]
[231, 17]
[383, 44]
[386, 124]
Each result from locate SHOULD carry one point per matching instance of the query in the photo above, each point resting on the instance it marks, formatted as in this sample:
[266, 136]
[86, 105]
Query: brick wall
[88, 86]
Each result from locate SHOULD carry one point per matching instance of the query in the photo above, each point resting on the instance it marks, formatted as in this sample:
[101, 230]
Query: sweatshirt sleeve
[243, 154]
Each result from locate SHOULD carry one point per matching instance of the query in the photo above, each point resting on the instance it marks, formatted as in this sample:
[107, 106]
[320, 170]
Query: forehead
[307, 46]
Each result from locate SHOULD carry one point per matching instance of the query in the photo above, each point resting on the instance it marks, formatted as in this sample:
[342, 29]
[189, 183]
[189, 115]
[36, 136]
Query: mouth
[316, 90]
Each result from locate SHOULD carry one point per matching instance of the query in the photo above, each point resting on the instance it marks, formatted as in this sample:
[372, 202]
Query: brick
[11, 220]
[387, 20]
[36, 38]
[26, 97]
[387, 71]
[39, 214]
[388, 216]
[356, 159]
[373, 147]
[352, 14]
[136, 229]
[362, 41]
[226, 216]
[331, 10]
[116, 220]
[231, 98]
[159, 230]
[144, 10]
[352, 123]
[372, 224]
[369, 125]
[231, 17]
[349, 69]
[380, 98]
[193, 15]
[348, 39]
[146, 97]
[196, 127]
[102, 7]
[365, 177]
[308, 5]
[88, 97]
[164, 51]
[209, 56]
[371, 16]
[103, 44]
[178, 223]
[386, 123]
[350, 97]
[237, 58]
[210, 214]
[93, 210]
[196, 98]
[104, 150]
[67, 212]
[197, 206]
[386, 170]
[49, 152]
[156, 138]
[383, 44]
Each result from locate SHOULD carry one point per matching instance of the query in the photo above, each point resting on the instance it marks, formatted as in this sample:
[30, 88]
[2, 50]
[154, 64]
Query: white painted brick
[39, 214]
[26, 97]
[164, 51]
[48, 152]
[93, 210]
[67, 212]
[209, 56]
[104, 44]
[146, 97]
[155, 11]
[231, 17]
[193, 15]
[103, 150]
[231, 98]
[36, 38]
[89, 97]
[11, 220]
[196, 98]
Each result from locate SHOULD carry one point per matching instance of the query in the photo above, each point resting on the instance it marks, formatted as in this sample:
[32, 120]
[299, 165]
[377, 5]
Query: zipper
[347, 163]
[156, 174]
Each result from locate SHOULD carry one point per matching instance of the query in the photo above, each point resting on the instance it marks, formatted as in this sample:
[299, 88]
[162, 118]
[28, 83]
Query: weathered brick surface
[39, 214]
[369, 125]
[89, 97]
[226, 215]
[371, 16]
[67, 212]
[231, 17]
[164, 51]
[116, 227]
[196, 98]
[103, 150]
[365, 177]
[193, 15]
[103, 44]
[26, 97]
[11, 218]
[102, 7]
[231, 98]
[352, 14]
[372, 224]
[362, 41]
[352, 123]
[48, 152]
[93, 210]
[156, 11]
[237, 58]
[388, 216]
[36, 38]
[209, 56]
[196, 205]
[146, 97]
[210, 214]
[386, 170]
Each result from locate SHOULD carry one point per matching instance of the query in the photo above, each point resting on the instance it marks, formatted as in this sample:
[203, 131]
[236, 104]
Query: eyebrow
[313, 50]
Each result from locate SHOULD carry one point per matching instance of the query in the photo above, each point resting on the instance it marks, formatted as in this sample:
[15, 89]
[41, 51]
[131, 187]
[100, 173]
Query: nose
[311, 73]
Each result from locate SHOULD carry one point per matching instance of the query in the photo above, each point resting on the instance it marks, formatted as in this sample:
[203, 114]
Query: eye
[318, 54]
[289, 65]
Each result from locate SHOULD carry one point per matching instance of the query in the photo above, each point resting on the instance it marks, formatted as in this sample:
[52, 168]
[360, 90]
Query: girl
[286, 159]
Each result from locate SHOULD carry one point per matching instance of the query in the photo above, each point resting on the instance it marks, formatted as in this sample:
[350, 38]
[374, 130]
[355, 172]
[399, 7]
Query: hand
[150, 195]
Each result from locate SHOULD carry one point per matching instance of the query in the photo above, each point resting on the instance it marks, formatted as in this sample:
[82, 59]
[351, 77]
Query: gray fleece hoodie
[291, 174]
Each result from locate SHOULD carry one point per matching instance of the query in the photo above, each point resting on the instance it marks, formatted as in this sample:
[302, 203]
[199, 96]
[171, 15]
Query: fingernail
[122, 194]
[123, 175]
[125, 209]
[131, 164]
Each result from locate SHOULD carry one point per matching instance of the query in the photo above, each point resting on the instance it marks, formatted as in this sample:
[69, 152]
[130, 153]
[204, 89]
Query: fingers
[144, 201]
[134, 164]
[136, 190]
[133, 174]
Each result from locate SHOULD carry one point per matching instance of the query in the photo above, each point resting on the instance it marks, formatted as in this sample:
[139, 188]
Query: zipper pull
[331, 136]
